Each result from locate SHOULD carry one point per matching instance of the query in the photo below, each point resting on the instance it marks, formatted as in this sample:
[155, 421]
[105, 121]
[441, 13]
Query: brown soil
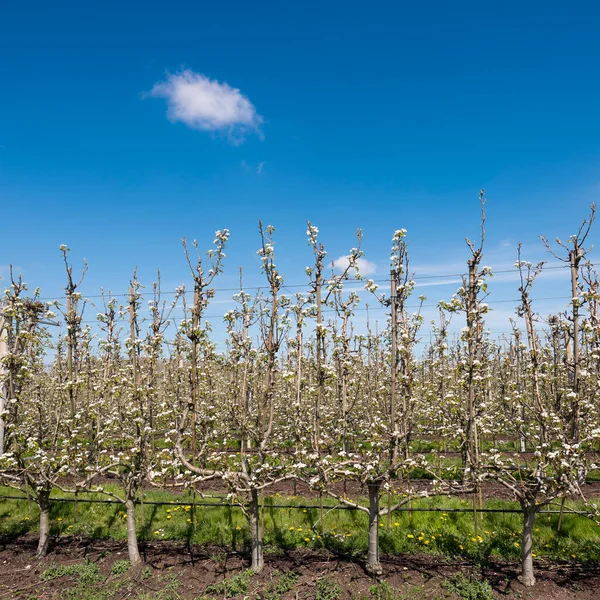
[350, 488]
[353, 489]
[193, 569]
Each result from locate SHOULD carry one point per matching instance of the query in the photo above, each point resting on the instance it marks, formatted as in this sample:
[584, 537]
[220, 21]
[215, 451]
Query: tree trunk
[132, 543]
[258, 561]
[373, 566]
[527, 578]
[43, 500]
[2, 407]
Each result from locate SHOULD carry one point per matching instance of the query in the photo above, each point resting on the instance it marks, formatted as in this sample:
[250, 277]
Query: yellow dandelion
[410, 535]
[396, 524]
[307, 539]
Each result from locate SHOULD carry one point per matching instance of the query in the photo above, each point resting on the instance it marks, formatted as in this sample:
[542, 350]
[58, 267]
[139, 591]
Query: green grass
[447, 534]
[84, 581]
[86, 578]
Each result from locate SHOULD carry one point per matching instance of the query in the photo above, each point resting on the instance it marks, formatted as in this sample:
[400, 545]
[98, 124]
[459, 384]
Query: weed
[468, 589]
[87, 577]
[280, 584]
[327, 590]
[119, 567]
[86, 572]
[169, 592]
[234, 586]
[383, 591]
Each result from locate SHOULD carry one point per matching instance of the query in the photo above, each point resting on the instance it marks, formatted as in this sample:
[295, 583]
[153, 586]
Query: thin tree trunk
[562, 512]
[373, 566]
[43, 500]
[527, 578]
[258, 561]
[2, 408]
[132, 543]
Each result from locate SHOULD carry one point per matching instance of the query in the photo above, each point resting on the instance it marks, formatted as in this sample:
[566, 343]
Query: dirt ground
[172, 571]
[353, 489]
[350, 489]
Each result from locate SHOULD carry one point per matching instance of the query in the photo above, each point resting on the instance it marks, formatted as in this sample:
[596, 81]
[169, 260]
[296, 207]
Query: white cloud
[208, 105]
[258, 169]
[365, 267]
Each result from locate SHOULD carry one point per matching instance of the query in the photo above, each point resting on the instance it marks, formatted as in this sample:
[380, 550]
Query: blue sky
[380, 115]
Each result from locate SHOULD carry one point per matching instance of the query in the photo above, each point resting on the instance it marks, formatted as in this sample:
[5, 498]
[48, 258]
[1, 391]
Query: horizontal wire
[578, 513]
[292, 285]
[360, 308]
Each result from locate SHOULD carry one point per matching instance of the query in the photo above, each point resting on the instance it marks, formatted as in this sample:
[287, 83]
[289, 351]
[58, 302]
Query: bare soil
[350, 488]
[191, 569]
[353, 489]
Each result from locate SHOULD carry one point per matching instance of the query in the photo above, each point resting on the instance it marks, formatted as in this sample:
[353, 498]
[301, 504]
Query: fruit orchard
[299, 394]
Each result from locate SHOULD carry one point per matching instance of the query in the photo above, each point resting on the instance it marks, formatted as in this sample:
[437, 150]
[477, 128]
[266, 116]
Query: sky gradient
[379, 115]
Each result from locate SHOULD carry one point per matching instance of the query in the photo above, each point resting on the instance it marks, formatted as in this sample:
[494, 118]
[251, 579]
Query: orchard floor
[172, 571]
[353, 489]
